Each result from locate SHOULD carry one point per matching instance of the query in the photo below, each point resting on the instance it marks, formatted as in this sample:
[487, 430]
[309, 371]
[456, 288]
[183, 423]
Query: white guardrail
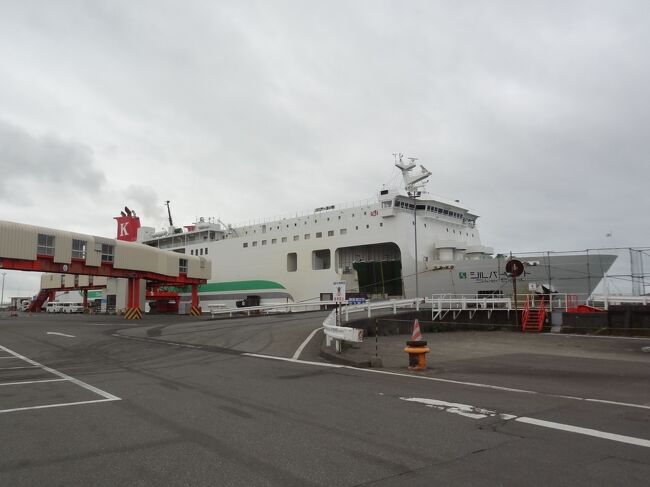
[338, 334]
[333, 332]
[222, 309]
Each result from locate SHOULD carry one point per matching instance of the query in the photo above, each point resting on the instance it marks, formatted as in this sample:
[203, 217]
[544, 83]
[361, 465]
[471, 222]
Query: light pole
[2, 295]
[414, 194]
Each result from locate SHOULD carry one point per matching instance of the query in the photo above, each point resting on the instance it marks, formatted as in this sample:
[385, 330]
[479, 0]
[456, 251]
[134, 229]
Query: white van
[53, 307]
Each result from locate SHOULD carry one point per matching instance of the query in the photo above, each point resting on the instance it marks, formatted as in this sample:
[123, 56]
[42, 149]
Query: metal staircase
[37, 304]
[533, 315]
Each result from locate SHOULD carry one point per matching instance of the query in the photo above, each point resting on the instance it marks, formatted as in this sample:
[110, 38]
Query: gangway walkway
[39, 249]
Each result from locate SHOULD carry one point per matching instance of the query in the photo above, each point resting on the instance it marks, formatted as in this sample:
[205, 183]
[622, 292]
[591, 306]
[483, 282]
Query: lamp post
[414, 195]
[2, 295]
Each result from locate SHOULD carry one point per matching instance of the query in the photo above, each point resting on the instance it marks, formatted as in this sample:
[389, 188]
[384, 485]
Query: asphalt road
[136, 411]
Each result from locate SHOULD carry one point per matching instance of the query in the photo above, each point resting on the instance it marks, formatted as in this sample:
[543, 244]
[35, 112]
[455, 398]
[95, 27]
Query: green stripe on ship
[219, 287]
[229, 286]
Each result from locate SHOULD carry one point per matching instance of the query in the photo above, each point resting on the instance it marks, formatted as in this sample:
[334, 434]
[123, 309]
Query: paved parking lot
[225, 403]
[35, 386]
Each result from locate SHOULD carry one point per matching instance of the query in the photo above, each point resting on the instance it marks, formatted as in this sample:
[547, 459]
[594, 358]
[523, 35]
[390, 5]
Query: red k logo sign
[127, 228]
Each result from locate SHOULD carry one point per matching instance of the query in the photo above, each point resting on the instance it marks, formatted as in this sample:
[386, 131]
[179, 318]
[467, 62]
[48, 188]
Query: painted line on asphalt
[450, 381]
[30, 382]
[60, 334]
[78, 382]
[287, 359]
[585, 431]
[302, 346]
[19, 367]
[46, 406]
[9, 356]
[475, 412]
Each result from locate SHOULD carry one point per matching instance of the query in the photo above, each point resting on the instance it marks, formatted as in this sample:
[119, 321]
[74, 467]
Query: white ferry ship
[371, 246]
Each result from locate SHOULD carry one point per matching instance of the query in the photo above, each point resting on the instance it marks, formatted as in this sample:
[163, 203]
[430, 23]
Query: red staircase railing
[36, 305]
[533, 316]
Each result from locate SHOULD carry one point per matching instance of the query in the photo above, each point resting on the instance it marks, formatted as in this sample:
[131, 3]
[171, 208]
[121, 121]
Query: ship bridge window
[292, 262]
[245, 244]
[45, 244]
[200, 251]
[206, 251]
[274, 240]
[263, 242]
[108, 252]
[321, 259]
[284, 239]
[319, 234]
[296, 238]
[343, 231]
[307, 236]
[386, 204]
[330, 233]
[182, 266]
[255, 244]
[78, 249]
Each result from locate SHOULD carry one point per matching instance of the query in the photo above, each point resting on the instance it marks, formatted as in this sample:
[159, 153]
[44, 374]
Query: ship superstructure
[371, 245]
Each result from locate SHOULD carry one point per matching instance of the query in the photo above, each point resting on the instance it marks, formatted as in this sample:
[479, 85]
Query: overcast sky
[533, 114]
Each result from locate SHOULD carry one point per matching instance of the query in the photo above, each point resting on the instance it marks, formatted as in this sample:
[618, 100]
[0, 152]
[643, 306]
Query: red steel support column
[85, 303]
[133, 311]
[130, 293]
[195, 309]
[52, 296]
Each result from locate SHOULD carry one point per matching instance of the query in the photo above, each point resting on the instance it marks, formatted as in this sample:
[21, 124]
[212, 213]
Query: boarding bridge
[39, 249]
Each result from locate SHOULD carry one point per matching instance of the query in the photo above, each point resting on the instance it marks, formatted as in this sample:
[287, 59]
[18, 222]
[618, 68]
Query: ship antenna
[169, 212]
[413, 183]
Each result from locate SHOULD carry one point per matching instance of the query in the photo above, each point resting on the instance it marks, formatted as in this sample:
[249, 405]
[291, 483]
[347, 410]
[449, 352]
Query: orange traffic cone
[416, 335]
[417, 349]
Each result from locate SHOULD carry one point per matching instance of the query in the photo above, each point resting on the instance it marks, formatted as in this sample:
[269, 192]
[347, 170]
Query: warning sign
[339, 291]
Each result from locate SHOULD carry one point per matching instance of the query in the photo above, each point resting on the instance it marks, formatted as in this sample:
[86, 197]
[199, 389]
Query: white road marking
[457, 408]
[16, 368]
[302, 346]
[449, 381]
[6, 357]
[30, 382]
[287, 359]
[475, 412]
[586, 431]
[78, 382]
[60, 334]
[46, 406]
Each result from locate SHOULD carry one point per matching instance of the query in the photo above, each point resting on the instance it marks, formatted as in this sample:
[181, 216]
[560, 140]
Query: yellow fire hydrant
[417, 350]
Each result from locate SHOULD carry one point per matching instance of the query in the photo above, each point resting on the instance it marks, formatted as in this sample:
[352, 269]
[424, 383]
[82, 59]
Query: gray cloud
[26, 159]
[534, 113]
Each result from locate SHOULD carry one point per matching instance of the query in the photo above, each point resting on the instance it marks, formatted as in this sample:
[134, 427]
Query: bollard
[417, 350]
